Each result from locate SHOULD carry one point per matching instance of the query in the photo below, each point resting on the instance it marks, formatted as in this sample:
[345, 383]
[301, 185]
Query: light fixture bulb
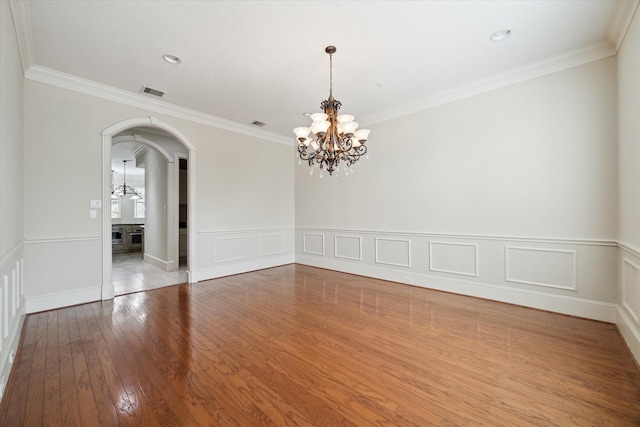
[319, 117]
[302, 133]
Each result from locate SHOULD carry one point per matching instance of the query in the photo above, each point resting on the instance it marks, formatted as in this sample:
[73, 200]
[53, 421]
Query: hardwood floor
[296, 345]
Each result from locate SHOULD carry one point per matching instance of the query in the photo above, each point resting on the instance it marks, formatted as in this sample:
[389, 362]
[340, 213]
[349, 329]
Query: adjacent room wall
[629, 175]
[156, 205]
[12, 307]
[509, 195]
[237, 176]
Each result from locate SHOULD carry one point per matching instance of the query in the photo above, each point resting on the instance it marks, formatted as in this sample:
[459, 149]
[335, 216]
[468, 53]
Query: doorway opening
[165, 234]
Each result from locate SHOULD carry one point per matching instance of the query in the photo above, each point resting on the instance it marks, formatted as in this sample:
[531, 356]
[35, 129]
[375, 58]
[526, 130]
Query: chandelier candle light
[336, 138]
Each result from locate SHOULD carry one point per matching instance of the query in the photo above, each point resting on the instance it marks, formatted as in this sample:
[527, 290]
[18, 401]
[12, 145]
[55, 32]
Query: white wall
[12, 305]
[509, 195]
[156, 205]
[629, 173]
[237, 176]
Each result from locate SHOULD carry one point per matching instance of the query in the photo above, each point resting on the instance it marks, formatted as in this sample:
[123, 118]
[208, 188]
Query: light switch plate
[93, 214]
[96, 204]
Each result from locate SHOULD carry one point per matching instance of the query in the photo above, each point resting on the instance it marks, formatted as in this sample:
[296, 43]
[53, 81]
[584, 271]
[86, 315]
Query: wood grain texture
[297, 345]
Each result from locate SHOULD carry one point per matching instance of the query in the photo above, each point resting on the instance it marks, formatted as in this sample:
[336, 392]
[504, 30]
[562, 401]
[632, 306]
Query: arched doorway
[107, 141]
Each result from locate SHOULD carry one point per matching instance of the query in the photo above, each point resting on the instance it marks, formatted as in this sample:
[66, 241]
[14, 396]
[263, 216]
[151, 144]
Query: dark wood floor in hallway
[296, 345]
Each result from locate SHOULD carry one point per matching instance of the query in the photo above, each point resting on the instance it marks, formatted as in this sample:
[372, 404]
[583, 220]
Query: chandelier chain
[330, 75]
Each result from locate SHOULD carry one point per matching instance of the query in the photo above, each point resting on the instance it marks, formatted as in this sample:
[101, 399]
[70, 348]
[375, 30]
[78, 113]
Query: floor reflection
[129, 273]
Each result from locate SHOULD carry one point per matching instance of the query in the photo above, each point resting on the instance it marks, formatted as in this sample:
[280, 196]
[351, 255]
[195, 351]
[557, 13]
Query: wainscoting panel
[628, 319]
[222, 253]
[546, 267]
[229, 249]
[12, 308]
[348, 247]
[272, 244]
[393, 251]
[631, 288]
[565, 276]
[454, 258]
[313, 244]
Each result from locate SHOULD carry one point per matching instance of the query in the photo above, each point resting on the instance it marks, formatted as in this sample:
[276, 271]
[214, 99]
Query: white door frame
[107, 139]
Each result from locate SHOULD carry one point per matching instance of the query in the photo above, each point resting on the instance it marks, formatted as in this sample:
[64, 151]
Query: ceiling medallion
[336, 138]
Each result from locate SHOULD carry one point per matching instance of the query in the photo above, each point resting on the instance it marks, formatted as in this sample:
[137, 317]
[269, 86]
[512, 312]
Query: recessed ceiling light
[500, 35]
[171, 59]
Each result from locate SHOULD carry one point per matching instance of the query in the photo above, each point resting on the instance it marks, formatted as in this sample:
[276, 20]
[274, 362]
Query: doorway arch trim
[107, 141]
[141, 139]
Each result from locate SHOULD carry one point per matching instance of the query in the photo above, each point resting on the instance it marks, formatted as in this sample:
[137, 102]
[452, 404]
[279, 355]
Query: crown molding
[22, 22]
[66, 81]
[546, 66]
[620, 24]
[621, 21]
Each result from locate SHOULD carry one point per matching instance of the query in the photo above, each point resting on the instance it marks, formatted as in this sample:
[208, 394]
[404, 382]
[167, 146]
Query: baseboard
[157, 262]
[108, 291]
[63, 299]
[629, 332]
[9, 355]
[242, 267]
[579, 307]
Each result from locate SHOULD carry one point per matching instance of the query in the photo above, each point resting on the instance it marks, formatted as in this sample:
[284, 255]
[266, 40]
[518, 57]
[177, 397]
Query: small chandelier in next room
[124, 190]
[337, 137]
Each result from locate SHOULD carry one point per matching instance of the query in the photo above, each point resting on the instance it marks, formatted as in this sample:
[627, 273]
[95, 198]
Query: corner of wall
[630, 333]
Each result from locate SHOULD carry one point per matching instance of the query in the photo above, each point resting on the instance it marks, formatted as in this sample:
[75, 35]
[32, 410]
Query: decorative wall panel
[12, 306]
[348, 247]
[271, 244]
[631, 288]
[553, 268]
[454, 258]
[227, 252]
[313, 243]
[229, 249]
[393, 251]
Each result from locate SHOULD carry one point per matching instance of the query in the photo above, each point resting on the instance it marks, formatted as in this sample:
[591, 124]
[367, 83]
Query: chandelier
[121, 191]
[336, 138]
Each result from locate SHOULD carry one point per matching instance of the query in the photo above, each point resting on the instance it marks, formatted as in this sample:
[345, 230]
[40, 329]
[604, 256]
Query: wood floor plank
[118, 347]
[82, 381]
[35, 396]
[102, 404]
[297, 345]
[52, 372]
[180, 408]
[15, 395]
[261, 408]
[114, 389]
[69, 404]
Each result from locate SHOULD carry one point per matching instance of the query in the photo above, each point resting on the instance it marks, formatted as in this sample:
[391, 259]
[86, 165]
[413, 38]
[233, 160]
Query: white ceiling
[265, 60]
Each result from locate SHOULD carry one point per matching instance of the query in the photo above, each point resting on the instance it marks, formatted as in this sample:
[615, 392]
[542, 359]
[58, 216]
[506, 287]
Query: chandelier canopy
[337, 137]
[121, 191]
